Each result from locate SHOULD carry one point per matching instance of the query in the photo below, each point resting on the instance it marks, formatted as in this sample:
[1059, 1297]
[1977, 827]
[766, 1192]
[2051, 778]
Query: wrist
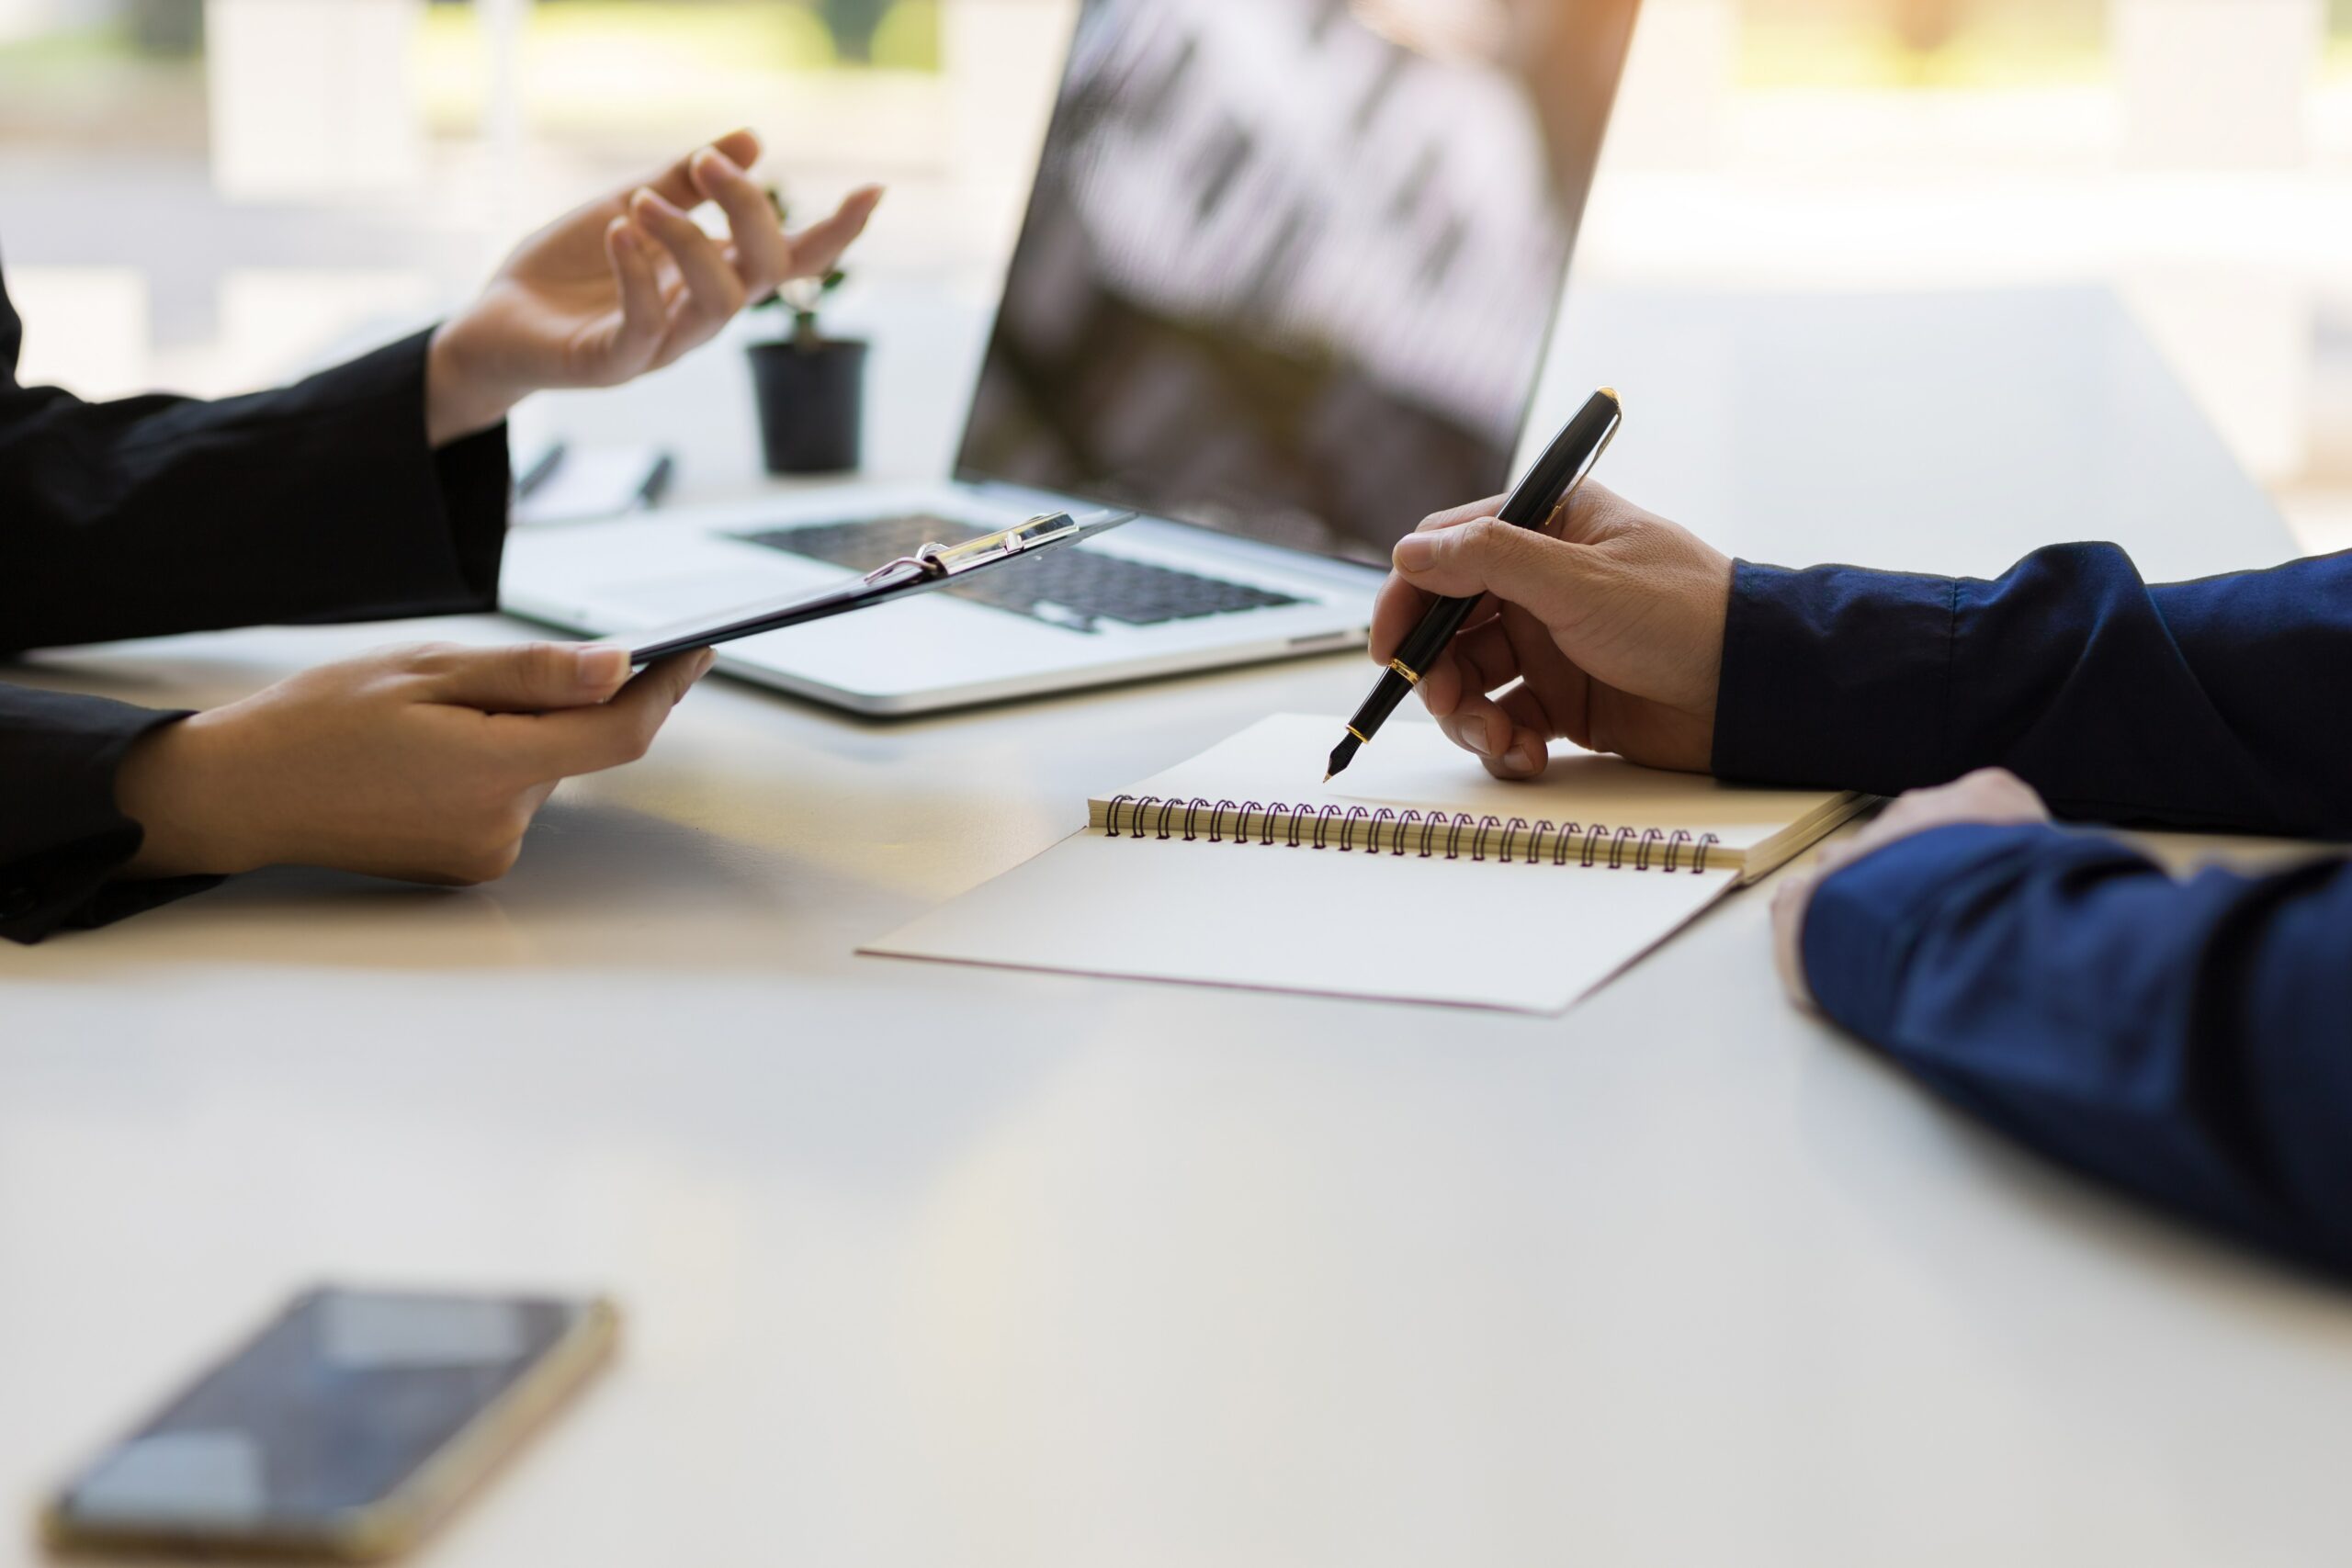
[178, 783]
[461, 397]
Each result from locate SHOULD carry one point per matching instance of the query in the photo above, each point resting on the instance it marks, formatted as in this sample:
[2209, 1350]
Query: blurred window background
[205, 194]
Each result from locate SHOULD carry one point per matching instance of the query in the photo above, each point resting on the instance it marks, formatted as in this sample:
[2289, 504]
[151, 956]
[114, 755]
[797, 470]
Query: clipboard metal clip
[954, 560]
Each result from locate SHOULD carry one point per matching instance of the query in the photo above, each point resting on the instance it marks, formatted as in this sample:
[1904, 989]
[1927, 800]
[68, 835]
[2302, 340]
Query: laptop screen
[1289, 265]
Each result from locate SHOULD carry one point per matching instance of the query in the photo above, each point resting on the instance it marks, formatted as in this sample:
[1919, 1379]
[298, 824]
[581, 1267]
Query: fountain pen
[1556, 473]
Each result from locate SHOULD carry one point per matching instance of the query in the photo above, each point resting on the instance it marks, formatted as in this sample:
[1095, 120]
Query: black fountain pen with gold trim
[1555, 474]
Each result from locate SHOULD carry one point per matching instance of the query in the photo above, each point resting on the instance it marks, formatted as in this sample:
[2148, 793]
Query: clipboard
[932, 565]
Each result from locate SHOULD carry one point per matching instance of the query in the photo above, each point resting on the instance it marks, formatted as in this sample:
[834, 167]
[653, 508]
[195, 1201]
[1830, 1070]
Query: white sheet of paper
[1347, 922]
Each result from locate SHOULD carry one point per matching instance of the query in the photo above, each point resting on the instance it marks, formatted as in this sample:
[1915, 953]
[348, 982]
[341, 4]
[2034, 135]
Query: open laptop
[1284, 287]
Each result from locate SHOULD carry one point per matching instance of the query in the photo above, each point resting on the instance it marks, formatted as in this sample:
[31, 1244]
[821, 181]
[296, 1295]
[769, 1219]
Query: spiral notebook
[1414, 876]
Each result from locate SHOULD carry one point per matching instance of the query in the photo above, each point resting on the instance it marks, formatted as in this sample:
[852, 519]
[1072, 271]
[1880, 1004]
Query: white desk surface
[926, 1265]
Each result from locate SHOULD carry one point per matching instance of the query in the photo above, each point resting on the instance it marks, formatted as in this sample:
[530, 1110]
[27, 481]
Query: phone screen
[330, 1411]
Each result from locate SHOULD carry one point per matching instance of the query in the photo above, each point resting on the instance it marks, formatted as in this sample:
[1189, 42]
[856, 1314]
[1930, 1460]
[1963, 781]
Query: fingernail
[1415, 552]
[643, 197]
[1474, 736]
[1519, 759]
[602, 667]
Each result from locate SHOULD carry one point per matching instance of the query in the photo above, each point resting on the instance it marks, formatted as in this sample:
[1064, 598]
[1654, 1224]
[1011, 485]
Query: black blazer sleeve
[60, 837]
[318, 502]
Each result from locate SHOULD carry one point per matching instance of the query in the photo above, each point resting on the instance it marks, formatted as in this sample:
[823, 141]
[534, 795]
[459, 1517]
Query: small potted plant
[812, 388]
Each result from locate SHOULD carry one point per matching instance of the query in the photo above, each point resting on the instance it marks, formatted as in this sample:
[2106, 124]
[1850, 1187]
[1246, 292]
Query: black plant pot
[812, 404]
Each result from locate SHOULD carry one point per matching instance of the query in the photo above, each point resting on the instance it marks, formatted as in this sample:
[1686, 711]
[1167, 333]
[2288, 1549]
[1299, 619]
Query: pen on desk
[1531, 504]
[656, 481]
[539, 469]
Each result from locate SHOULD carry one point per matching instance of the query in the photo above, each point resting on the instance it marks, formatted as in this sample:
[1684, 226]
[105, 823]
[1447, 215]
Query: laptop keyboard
[1070, 588]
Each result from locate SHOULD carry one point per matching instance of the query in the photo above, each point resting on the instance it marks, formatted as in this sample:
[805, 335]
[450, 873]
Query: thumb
[530, 677]
[1486, 555]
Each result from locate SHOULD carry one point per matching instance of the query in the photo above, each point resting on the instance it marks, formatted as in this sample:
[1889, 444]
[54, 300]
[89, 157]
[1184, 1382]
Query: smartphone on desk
[342, 1429]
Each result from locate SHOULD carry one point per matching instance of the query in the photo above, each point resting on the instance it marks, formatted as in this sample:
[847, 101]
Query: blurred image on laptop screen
[1287, 272]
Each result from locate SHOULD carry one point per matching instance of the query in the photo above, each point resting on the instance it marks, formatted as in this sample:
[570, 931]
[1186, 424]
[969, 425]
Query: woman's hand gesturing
[625, 285]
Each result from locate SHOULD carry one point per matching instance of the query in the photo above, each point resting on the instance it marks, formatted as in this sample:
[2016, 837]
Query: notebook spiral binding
[1433, 833]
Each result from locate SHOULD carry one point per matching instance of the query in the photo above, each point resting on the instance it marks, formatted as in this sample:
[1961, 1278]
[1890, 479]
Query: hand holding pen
[1566, 459]
[1605, 628]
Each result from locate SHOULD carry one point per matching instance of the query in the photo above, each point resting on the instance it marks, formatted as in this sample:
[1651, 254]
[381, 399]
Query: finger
[1832, 856]
[1399, 606]
[1987, 796]
[1480, 658]
[588, 740]
[1395, 610]
[761, 253]
[1478, 725]
[2001, 791]
[713, 292]
[1490, 507]
[1484, 556]
[644, 316]
[816, 248]
[1925, 808]
[1529, 750]
[674, 183]
[527, 678]
[1488, 654]
[1554, 683]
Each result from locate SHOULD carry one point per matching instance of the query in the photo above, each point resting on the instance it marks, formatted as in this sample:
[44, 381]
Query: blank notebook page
[1227, 907]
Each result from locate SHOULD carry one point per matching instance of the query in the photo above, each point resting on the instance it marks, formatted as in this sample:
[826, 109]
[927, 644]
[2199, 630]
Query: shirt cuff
[1863, 921]
[1835, 677]
[68, 882]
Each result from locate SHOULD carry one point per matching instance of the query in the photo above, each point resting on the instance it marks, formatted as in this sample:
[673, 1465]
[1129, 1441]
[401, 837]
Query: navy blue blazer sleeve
[321, 501]
[2196, 704]
[2190, 1041]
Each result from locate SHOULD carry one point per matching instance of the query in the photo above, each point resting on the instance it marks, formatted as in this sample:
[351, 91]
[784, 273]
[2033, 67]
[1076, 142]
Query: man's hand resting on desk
[424, 763]
[1611, 622]
[625, 285]
[1989, 794]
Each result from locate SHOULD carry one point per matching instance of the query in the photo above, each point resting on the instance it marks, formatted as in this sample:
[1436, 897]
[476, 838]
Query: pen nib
[1329, 777]
[1341, 755]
